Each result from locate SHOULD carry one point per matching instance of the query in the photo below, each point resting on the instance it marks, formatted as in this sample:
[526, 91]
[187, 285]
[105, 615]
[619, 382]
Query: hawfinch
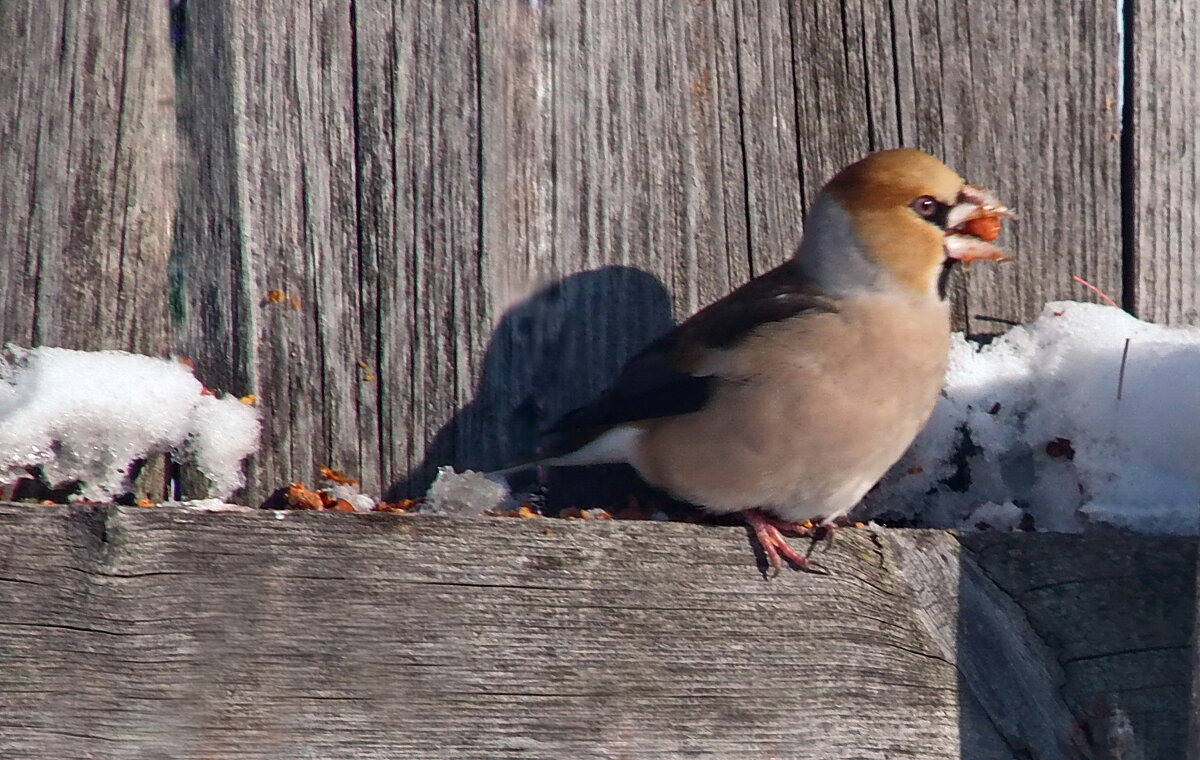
[786, 400]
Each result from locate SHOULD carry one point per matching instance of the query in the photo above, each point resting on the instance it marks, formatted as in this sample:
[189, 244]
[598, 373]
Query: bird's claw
[774, 545]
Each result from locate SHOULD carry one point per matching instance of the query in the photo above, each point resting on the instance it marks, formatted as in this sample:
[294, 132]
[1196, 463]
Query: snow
[466, 493]
[360, 501]
[1084, 417]
[1032, 423]
[88, 415]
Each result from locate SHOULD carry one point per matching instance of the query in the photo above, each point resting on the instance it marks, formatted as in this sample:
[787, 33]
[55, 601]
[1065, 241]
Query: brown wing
[663, 379]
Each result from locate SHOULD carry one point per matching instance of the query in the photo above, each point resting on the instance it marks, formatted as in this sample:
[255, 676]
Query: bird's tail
[514, 469]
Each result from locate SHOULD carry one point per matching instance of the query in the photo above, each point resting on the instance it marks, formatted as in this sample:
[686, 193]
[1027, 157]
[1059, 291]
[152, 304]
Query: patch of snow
[224, 431]
[87, 415]
[207, 505]
[1033, 422]
[466, 493]
[993, 516]
[360, 501]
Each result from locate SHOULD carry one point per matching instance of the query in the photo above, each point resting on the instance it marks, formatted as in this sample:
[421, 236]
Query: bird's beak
[973, 223]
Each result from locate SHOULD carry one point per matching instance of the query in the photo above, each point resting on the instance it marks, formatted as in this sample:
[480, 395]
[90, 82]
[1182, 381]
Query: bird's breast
[808, 413]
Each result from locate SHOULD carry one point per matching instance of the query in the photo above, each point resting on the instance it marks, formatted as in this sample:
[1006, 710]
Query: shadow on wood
[129, 632]
[548, 354]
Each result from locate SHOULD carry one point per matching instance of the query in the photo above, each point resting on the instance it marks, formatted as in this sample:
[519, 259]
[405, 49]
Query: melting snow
[1045, 421]
[87, 415]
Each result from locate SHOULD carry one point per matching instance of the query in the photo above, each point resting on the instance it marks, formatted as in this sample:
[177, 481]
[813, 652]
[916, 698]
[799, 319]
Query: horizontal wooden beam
[129, 632]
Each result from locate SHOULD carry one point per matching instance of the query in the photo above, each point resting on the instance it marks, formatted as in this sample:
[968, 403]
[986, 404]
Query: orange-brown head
[897, 218]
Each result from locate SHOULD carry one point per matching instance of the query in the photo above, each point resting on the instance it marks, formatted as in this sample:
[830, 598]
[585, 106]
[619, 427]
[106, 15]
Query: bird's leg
[819, 530]
[766, 530]
[800, 527]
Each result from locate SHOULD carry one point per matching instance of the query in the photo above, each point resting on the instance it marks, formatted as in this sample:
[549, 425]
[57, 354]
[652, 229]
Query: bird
[785, 401]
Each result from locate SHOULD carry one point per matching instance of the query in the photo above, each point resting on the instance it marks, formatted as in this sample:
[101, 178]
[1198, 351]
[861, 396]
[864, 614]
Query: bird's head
[898, 218]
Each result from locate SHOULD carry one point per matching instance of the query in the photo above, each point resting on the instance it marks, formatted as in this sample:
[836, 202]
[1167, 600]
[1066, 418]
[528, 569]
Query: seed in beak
[986, 228]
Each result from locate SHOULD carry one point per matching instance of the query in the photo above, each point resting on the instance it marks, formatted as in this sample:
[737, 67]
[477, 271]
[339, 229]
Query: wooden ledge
[131, 632]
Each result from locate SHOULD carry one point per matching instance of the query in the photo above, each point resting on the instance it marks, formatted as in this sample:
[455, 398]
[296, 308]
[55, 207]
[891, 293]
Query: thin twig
[1121, 374]
[1094, 289]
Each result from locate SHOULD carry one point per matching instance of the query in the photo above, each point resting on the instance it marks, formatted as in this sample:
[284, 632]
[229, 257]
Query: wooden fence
[478, 210]
[171, 633]
[474, 212]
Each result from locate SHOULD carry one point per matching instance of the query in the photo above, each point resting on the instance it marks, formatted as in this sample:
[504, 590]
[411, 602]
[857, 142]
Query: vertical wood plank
[518, 90]
[1038, 128]
[647, 104]
[419, 149]
[831, 90]
[278, 80]
[86, 156]
[613, 174]
[1164, 124]
[213, 308]
[768, 131]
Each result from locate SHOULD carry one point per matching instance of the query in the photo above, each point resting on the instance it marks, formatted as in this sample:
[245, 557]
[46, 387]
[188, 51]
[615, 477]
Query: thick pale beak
[973, 223]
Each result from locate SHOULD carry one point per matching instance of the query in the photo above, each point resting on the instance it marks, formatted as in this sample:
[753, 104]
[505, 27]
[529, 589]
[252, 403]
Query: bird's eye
[927, 206]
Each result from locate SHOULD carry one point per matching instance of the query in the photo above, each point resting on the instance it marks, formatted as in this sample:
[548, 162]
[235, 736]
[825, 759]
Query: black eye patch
[932, 210]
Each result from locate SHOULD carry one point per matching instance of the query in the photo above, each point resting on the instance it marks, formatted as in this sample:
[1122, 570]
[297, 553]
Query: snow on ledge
[1058, 421]
[87, 415]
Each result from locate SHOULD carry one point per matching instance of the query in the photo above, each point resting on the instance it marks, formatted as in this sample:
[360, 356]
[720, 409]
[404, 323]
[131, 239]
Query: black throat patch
[944, 277]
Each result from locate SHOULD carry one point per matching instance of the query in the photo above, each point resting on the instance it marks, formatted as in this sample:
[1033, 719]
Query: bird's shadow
[551, 353]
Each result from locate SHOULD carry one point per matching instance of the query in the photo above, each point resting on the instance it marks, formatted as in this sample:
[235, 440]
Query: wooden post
[87, 157]
[172, 632]
[1162, 128]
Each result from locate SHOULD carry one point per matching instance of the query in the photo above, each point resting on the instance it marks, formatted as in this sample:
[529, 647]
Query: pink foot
[819, 530]
[767, 531]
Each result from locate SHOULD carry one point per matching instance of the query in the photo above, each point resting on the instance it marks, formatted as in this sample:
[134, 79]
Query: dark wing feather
[658, 381]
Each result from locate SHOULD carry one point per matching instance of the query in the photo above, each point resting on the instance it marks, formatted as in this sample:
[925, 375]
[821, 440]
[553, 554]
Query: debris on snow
[1086, 415]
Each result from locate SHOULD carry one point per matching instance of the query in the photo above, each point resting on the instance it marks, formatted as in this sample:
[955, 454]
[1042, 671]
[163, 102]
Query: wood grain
[1163, 130]
[1034, 124]
[133, 632]
[267, 92]
[1121, 675]
[418, 149]
[87, 160]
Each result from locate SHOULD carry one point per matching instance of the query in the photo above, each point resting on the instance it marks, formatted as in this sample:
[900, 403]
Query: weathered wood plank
[767, 130]
[213, 306]
[1036, 124]
[586, 212]
[268, 89]
[1132, 676]
[87, 160]
[132, 632]
[418, 149]
[1163, 130]
[1001, 661]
